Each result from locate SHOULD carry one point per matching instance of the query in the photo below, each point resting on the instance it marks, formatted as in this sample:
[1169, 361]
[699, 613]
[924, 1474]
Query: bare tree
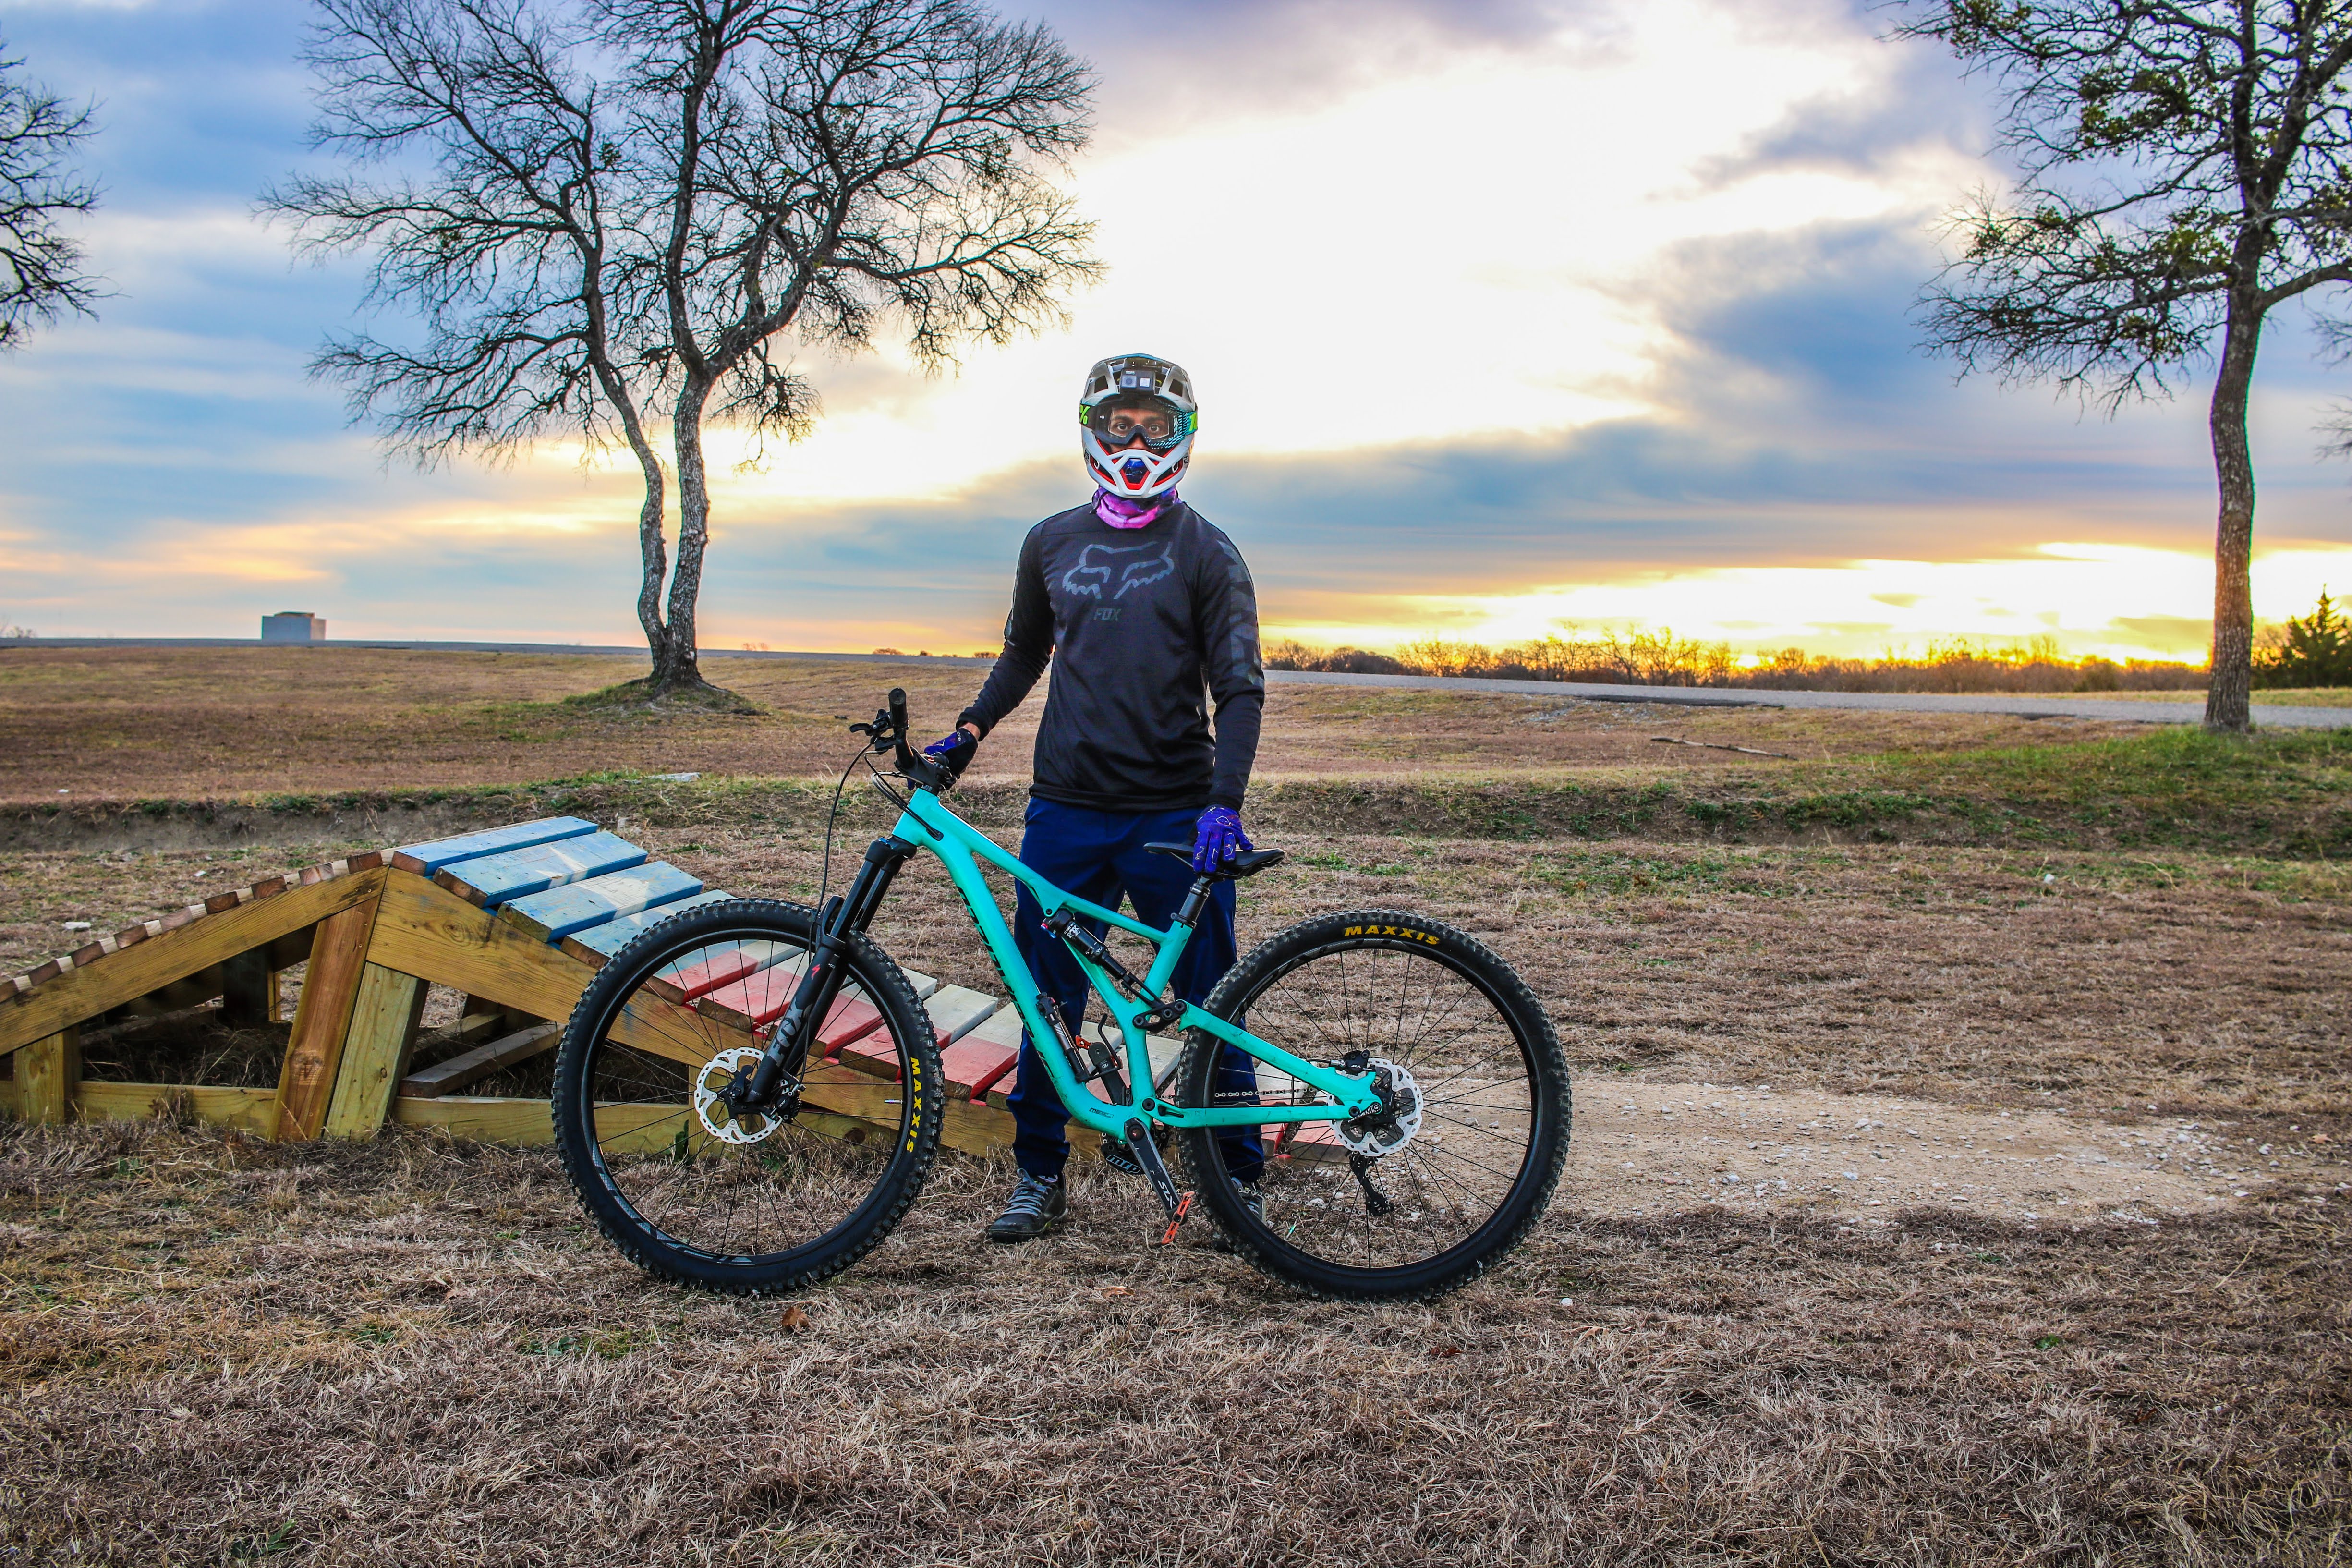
[2186, 169]
[637, 208]
[41, 275]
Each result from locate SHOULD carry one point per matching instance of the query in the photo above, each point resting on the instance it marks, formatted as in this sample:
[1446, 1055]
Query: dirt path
[1648, 1147]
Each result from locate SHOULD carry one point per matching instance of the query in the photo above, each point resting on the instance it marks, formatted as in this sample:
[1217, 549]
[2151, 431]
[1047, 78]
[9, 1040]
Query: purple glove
[1218, 839]
[953, 750]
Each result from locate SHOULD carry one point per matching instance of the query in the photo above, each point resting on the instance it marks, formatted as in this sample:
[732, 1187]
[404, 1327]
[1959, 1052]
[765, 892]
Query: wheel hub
[1391, 1127]
[720, 1090]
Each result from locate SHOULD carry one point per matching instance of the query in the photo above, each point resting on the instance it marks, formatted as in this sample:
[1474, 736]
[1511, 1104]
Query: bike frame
[928, 824]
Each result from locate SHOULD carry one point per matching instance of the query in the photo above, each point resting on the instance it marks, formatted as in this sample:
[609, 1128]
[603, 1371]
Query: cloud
[1505, 311]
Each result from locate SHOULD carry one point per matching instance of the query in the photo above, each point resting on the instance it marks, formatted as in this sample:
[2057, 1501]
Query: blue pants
[1099, 857]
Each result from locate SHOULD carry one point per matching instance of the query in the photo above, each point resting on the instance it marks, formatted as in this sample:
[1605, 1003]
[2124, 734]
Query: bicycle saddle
[1248, 863]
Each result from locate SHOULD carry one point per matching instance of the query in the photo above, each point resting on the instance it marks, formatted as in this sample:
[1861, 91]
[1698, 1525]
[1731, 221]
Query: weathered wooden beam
[557, 913]
[253, 1109]
[248, 991]
[957, 1010]
[449, 1077]
[426, 858]
[94, 987]
[314, 1052]
[375, 1051]
[48, 1072]
[974, 1129]
[188, 991]
[836, 1099]
[637, 1128]
[428, 932]
[594, 945]
[493, 880]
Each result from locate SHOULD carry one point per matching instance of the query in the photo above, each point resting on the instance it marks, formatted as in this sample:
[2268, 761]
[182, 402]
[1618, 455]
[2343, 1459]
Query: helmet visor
[1116, 422]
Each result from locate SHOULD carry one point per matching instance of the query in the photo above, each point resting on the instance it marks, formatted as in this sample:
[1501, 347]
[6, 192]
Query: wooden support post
[249, 990]
[314, 1053]
[375, 1051]
[48, 1071]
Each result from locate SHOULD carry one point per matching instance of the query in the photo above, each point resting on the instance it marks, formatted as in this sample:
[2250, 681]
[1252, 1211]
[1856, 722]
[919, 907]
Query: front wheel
[1459, 1165]
[771, 1200]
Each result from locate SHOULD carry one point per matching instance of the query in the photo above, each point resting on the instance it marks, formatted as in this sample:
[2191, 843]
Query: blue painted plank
[557, 913]
[604, 940]
[426, 858]
[492, 880]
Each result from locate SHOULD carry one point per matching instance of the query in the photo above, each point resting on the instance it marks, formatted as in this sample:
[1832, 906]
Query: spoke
[1434, 1019]
[725, 1200]
[1474, 1164]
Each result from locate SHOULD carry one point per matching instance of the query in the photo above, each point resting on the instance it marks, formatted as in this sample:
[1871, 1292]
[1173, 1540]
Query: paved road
[2065, 707]
[2189, 711]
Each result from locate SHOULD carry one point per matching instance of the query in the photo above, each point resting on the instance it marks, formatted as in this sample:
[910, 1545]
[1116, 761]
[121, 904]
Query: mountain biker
[1147, 612]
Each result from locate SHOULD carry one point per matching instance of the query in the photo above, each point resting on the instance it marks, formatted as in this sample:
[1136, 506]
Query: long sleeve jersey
[1144, 627]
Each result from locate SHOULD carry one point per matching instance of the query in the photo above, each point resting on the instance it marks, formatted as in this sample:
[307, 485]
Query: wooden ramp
[517, 919]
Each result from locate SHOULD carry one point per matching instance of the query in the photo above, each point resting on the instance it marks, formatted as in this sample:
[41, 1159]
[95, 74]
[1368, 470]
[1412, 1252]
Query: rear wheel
[1449, 1178]
[768, 1201]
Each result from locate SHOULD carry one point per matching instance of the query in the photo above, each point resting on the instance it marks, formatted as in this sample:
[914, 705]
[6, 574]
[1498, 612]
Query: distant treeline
[1662, 659]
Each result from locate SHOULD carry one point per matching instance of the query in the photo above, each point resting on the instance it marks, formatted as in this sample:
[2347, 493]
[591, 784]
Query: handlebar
[888, 733]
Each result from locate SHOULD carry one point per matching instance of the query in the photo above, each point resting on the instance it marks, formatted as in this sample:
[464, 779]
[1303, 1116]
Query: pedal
[1147, 1154]
[1168, 1236]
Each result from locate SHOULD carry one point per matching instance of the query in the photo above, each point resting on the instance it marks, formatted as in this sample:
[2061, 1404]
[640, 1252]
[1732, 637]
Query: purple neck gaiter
[1120, 513]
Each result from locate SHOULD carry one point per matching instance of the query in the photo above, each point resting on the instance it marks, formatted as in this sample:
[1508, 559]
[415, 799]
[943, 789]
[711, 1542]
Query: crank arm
[1155, 1169]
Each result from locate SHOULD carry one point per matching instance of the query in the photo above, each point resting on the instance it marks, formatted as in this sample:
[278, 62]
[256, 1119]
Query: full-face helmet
[1136, 419]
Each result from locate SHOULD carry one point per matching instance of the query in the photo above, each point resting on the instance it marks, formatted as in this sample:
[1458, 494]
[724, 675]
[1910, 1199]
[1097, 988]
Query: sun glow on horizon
[2120, 601]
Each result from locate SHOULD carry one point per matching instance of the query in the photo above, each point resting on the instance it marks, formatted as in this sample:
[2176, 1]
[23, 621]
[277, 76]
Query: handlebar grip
[899, 710]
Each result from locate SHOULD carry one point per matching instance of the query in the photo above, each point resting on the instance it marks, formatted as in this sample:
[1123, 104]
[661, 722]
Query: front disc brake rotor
[718, 1119]
[1386, 1131]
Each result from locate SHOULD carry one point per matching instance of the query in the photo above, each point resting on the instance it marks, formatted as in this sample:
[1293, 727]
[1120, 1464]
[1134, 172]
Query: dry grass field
[182, 723]
[2053, 997]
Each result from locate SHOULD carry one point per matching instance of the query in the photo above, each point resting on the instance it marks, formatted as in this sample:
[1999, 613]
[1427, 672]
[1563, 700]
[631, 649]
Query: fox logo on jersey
[1092, 574]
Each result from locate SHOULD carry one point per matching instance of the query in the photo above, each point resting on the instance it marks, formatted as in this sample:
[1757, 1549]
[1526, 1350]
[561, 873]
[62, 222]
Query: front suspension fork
[786, 1054]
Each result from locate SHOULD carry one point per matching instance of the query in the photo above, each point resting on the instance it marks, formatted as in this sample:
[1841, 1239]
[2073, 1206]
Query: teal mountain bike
[1372, 1105]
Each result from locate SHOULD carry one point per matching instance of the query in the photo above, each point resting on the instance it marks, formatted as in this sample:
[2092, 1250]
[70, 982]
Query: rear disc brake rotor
[1389, 1130]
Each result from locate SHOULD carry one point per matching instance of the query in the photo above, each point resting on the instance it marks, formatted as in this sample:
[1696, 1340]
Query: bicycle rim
[688, 1189]
[1401, 1205]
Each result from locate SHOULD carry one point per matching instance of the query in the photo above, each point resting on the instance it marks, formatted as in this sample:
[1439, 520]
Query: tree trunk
[2232, 660]
[680, 663]
[655, 556]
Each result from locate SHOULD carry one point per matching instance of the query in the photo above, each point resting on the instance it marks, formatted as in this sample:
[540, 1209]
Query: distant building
[293, 626]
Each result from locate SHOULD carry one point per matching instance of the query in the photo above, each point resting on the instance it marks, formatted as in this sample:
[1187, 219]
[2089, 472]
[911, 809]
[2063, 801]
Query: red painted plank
[977, 1064]
[852, 1019]
[724, 969]
[760, 998]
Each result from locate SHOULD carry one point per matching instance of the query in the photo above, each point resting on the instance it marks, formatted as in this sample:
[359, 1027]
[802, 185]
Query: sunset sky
[1504, 315]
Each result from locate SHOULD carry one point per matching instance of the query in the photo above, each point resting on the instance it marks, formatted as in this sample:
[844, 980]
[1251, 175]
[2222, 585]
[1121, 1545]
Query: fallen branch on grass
[1710, 745]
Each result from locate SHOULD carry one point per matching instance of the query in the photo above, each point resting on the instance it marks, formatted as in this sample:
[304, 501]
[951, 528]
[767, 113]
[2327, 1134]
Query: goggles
[1116, 422]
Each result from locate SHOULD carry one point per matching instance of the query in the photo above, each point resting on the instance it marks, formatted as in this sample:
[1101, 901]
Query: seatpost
[1189, 912]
